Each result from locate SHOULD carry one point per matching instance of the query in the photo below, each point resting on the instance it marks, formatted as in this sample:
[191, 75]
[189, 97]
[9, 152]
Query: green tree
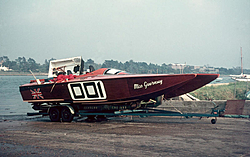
[44, 67]
[32, 65]
[91, 62]
[5, 61]
[22, 64]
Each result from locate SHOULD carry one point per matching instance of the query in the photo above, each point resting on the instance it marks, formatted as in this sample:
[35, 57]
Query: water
[11, 102]
[225, 79]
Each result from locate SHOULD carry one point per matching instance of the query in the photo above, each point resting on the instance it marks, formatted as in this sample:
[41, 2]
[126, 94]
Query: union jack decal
[37, 94]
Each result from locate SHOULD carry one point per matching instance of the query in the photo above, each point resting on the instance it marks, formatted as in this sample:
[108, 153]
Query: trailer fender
[71, 109]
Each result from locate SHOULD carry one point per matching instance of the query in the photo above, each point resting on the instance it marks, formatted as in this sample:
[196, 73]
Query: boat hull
[114, 89]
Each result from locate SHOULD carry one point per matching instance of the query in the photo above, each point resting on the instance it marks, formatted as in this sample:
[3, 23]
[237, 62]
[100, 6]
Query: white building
[3, 68]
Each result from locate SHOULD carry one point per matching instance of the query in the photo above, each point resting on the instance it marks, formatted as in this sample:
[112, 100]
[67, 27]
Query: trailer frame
[141, 112]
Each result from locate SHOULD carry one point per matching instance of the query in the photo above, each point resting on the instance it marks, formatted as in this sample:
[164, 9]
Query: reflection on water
[11, 102]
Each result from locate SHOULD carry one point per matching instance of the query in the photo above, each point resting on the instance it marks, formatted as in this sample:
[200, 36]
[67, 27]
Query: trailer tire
[213, 121]
[66, 114]
[54, 114]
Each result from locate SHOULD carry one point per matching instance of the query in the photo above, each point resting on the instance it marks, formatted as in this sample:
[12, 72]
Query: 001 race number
[87, 90]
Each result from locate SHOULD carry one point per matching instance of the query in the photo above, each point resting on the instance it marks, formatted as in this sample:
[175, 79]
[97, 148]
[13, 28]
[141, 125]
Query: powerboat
[69, 90]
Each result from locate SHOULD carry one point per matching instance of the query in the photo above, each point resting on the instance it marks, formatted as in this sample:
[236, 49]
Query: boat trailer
[216, 112]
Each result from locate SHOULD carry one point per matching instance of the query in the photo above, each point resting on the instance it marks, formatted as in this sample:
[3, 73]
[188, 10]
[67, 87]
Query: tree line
[21, 64]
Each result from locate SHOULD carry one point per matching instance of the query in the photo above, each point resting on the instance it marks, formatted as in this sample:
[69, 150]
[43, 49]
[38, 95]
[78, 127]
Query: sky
[195, 32]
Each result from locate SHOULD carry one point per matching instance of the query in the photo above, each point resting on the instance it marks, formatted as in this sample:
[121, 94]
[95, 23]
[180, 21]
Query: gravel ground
[151, 136]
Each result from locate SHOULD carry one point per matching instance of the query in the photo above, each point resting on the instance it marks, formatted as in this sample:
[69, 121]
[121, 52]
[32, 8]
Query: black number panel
[77, 91]
[87, 90]
[91, 90]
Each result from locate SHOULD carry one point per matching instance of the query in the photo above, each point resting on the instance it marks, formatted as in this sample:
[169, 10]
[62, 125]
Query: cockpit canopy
[114, 72]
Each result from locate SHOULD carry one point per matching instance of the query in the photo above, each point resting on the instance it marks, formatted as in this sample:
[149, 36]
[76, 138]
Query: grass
[231, 91]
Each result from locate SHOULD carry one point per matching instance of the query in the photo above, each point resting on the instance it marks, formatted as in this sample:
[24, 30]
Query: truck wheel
[66, 114]
[54, 114]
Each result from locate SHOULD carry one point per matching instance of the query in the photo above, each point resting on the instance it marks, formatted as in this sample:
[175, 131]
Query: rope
[173, 106]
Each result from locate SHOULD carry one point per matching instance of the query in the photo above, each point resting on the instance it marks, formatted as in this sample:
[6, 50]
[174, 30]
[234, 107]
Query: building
[3, 68]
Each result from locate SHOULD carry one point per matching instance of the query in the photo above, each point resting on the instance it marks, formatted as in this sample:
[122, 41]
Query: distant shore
[217, 84]
[21, 74]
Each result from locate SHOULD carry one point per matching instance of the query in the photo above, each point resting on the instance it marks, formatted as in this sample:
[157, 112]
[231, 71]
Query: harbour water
[11, 101]
[10, 98]
[223, 79]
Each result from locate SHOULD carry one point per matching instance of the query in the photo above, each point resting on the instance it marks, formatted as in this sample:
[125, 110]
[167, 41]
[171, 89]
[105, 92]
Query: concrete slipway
[126, 136]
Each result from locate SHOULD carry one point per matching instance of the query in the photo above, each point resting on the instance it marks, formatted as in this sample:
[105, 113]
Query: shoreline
[217, 84]
[21, 74]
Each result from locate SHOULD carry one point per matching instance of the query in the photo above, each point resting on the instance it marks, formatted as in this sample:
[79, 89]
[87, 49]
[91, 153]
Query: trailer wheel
[213, 121]
[66, 114]
[54, 114]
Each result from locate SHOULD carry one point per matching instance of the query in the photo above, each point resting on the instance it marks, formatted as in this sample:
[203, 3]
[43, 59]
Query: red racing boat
[68, 90]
